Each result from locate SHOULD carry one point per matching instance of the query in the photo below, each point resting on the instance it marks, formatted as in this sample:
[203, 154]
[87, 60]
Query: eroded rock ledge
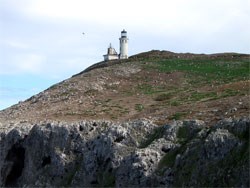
[137, 153]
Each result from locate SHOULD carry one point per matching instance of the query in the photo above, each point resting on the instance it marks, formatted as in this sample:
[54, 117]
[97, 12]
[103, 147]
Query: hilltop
[159, 85]
[157, 119]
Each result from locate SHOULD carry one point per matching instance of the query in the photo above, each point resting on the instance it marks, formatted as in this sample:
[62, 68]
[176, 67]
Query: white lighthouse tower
[123, 45]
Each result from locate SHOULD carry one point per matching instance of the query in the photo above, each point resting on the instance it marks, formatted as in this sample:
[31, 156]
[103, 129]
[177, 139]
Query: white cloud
[142, 13]
[15, 44]
[22, 63]
[49, 38]
[30, 62]
[159, 17]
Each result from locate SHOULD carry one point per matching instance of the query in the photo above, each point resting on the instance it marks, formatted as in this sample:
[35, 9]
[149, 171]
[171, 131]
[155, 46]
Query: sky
[41, 41]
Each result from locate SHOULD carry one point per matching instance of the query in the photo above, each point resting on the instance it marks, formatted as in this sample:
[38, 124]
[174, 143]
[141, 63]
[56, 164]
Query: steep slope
[159, 85]
[125, 123]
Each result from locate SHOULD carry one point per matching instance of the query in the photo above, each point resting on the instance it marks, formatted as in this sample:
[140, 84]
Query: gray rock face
[137, 153]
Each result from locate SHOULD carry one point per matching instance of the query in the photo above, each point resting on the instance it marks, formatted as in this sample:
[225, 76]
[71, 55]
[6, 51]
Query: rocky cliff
[135, 153]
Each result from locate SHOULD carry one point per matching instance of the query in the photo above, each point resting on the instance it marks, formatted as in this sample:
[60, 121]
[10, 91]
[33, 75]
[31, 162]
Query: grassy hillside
[158, 85]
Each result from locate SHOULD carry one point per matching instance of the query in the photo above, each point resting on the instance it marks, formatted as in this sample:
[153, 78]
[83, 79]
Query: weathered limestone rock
[137, 153]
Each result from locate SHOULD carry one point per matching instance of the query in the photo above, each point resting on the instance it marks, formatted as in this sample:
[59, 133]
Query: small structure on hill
[112, 54]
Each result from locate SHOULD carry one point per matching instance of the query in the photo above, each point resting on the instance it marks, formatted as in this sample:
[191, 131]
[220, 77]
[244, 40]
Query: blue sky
[41, 41]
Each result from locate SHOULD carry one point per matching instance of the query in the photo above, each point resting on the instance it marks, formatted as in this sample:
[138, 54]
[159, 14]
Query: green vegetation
[139, 107]
[197, 96]
[157, 133]
[185, 171]
[145, 88]
[148, 89]
[91, 92]
[231, 165]
[164, 97]
[71, 174]
[199, 83]
[229, 93]
[163, 82]
[106, 179]
[206, 69]
[185, 133]
[218, 69]
[174, 103]
[169, 158]
[178, 115]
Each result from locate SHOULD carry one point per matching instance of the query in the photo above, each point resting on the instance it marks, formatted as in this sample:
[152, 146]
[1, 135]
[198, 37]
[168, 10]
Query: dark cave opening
[119, 139]
[81, 128]
[46, 161]
[16, 156]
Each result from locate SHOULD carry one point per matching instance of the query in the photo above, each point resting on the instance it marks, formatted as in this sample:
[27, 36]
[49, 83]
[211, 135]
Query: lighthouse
[112, 55]
[123, 45]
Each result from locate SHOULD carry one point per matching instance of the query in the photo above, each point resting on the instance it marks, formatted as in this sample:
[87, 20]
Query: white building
[111, 55]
